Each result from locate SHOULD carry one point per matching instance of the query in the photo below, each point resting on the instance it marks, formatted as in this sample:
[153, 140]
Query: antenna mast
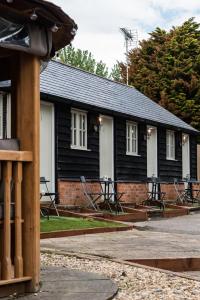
[131, 40]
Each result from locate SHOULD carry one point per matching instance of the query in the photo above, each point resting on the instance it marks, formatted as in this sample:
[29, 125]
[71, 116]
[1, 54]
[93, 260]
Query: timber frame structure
[19, 170]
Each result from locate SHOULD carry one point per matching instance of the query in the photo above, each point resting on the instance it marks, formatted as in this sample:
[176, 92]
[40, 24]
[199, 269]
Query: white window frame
[131, 138]
[78, 131]
[170, 145]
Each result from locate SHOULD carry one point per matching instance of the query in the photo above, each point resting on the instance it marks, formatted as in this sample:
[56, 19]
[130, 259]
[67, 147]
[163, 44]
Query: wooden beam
[26, 100]
[9, 155]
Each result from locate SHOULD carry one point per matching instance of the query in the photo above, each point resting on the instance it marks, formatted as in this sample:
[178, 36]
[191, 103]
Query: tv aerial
[131, 41]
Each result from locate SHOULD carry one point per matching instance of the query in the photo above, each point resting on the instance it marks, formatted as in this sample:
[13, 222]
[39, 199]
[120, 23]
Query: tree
[116, 73]
[84, 60]
[166, 68]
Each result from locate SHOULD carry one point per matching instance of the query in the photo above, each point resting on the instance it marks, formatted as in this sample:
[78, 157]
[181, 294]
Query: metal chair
[45, 211]
[183, 195]
[91, 197]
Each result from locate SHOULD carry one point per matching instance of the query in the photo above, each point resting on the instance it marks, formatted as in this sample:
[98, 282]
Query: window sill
[133, 154]
[82, 149]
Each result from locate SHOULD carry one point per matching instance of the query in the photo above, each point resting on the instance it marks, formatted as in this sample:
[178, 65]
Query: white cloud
[99, 21]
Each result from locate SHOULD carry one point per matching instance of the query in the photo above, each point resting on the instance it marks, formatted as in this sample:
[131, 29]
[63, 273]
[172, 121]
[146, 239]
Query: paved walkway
[189, 224]
[64, 284]
[175, 237]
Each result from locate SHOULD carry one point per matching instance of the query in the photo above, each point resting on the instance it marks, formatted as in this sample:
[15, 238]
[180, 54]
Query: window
[78, 129]
[170, 144]
[131, 138]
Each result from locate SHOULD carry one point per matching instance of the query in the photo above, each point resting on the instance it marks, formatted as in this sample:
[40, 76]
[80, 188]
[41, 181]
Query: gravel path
[134, 283]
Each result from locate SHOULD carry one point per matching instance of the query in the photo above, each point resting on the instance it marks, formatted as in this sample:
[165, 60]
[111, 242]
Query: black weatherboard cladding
[130, 167]
[71, 163]
[169, 169]
[193, 157]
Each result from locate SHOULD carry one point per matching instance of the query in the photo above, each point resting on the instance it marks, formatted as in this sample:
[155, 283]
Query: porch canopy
[30, 33]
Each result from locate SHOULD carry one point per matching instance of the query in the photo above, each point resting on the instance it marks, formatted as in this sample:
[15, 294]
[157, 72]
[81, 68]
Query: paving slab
[189, 224]
[63, 284]
[174, 237]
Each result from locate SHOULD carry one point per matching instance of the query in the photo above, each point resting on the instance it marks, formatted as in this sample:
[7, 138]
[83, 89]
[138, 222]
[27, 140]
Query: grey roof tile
[83, 87]
[80, 86]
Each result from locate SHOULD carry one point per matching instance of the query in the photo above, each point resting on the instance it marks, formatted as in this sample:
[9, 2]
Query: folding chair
[182, 193]
[90, 196]
[52, 197]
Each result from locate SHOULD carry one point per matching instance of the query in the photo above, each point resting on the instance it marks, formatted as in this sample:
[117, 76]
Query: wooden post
[18, 260]
[26, 103]
[6, 259]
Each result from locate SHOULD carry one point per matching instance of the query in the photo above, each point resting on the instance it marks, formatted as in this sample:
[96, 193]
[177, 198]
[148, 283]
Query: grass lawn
[67, 223]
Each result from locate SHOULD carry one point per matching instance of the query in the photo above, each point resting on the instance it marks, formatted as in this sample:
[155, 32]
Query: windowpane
[74, 141]
[131, 138]
[83, 122]
[79, 129]
[74, 117]
[83, 138]
[80, 138]
[170, 144]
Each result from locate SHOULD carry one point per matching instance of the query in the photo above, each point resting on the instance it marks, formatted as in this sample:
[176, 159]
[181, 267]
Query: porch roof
[80, 86]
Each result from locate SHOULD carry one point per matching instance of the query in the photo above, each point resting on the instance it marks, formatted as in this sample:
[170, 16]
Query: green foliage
[166, 68]
[116, 73]
[84, 60]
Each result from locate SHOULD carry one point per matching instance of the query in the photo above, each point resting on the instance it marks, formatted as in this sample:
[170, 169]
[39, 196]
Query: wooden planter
[175, 211]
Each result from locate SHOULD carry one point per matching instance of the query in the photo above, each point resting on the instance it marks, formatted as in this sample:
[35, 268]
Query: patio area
[106, 254]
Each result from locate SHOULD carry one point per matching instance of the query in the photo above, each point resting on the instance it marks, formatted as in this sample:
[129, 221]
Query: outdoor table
[110, 195]
[155, 196]
[107, 187]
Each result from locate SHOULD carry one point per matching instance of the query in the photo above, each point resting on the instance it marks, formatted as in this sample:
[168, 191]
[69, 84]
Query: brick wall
[134, 192]
[71, 192]
[169, 189]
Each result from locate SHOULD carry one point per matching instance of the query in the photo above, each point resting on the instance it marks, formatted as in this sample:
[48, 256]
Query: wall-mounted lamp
[184, 138]
[9, 1]
[98, 125]
[149, 131]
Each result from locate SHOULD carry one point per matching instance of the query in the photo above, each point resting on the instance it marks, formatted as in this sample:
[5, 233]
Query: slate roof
[72, 83]
[83, 87]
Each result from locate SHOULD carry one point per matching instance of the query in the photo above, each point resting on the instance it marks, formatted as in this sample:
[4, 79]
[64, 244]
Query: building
[96, 127]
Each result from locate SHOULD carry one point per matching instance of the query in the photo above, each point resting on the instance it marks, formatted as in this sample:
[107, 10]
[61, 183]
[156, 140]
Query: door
[106, 147]
[185, 155]
[152, 156]
[47, 168]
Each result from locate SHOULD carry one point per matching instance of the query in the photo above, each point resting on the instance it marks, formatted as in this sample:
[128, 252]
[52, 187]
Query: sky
[99, 22]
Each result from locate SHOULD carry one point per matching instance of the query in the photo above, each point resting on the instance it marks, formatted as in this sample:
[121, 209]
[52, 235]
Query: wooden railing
[11, 218]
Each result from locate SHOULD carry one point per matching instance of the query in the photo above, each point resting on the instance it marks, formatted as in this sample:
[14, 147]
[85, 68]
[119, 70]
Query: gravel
[134, 283]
